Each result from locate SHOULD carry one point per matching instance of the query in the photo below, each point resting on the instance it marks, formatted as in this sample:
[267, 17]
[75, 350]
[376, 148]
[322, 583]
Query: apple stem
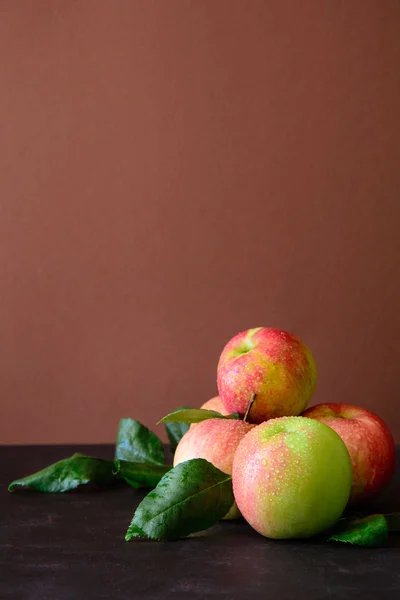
[253, 397]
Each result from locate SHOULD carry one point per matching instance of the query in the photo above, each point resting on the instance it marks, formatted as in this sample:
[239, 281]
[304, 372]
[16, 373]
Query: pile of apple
[292, 475]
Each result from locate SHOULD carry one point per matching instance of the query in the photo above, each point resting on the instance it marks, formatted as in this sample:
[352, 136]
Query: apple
[369, 442]
[215, 440]
[274, 365]
[291, 477]
[215, 404]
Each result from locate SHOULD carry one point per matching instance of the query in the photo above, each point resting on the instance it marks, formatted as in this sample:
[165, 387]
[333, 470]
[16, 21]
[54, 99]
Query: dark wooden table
[71, 546]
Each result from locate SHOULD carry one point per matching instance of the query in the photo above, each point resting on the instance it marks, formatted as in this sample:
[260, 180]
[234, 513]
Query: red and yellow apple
[291, 477]
[369, 442]
[215, 440]
[274, 365]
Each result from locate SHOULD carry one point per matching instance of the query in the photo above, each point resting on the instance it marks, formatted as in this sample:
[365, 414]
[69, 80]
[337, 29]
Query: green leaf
[194, 415]
[68, 474]
[137, 444]
[135, 532]
[140, 475]
[368, 532]
[191, 497]
[176, 431]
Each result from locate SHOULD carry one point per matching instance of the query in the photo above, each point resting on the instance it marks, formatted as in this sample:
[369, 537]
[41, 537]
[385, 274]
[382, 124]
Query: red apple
[369, 442]
[215, 440]
[274, 365]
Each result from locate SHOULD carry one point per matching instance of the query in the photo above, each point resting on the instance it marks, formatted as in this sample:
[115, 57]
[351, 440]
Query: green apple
[291, 477]
[215, 440]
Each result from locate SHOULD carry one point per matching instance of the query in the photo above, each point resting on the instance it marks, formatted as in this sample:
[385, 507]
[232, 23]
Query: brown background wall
[173, 172]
